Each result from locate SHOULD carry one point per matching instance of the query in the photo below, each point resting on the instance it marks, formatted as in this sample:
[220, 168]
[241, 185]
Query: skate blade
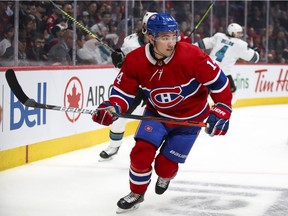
[121, 211]
[105, 159]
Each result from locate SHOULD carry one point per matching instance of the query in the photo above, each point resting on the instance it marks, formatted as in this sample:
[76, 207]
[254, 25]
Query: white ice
[244, 173]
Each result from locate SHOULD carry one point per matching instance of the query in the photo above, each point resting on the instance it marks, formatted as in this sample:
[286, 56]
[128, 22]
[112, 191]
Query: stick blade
[15, 86]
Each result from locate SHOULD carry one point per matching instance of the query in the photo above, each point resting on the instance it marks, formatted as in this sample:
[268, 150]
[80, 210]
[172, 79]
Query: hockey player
[117, 129]
[227, 48]
[176, 77]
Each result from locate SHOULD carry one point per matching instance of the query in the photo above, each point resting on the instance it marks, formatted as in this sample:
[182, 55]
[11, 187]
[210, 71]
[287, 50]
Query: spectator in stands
[93, 16]
[285, 53]
[283, 19]
[187, 23]
[6, 14]
[38, 10]
[101, 8]
[251, 36]
[94, 52]
[105, 22]
[84, 19]
[121, 31]
[279, 58]
[280, 42]
[56, 35]
[53, 17]
[79, 45]
[260, 44]
[28, 28]
[47, 16]
[256, 19]
[8, 57]
[85, 55]
[68, 8]
[8, 38]
[37, 55]
[60, 53]
[108, 38]
[116, 16]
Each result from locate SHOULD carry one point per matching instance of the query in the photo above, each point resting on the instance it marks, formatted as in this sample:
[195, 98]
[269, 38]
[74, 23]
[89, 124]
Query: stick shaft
[24, 99]
[203, 17]
[32, 103]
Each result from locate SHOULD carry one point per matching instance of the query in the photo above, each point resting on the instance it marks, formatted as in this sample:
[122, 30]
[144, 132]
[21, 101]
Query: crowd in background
[46, 35]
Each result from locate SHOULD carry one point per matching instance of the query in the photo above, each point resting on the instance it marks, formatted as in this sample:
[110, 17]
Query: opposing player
[227, 48]
[117, 129]
[176, 78]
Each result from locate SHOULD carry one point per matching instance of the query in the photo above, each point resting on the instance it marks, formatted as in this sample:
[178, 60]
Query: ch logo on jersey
[165, 98]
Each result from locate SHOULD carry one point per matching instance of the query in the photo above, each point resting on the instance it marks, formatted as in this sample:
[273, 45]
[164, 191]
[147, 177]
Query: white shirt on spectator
[4, 44]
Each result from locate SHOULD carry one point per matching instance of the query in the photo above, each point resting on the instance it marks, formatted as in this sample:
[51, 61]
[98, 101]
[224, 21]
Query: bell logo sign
[29, 116]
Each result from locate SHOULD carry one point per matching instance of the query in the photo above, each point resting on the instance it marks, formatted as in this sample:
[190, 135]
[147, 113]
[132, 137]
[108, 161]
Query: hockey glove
[255, 48]
[233, 87]
[104, 113]
[218, 119]
[117, 58]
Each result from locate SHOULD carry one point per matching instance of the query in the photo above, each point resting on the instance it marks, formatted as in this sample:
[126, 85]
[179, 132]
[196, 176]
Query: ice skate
[129, 202]
[108, 153]
[161, 185]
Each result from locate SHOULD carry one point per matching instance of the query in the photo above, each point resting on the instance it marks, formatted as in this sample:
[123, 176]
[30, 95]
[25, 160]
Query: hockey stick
[81, 26]
[202, 18]
[24, 99]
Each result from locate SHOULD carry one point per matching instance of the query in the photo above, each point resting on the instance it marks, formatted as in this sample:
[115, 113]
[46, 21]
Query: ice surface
[244, 173]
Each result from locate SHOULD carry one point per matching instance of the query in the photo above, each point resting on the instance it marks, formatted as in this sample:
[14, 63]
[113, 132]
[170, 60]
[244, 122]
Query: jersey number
[119, 77]
[221, 53]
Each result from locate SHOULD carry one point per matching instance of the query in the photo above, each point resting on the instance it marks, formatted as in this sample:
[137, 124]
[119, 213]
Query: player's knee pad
[164, 167]
[142, 156]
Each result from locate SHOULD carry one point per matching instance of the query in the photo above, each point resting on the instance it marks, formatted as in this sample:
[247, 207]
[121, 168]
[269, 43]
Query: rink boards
[29, 134]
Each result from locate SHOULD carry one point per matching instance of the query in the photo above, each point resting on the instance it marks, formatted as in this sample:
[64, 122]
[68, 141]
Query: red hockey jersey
[177, 87]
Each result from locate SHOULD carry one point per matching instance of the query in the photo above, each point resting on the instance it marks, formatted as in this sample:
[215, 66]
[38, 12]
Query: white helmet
[145, 20]
[233, 29]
